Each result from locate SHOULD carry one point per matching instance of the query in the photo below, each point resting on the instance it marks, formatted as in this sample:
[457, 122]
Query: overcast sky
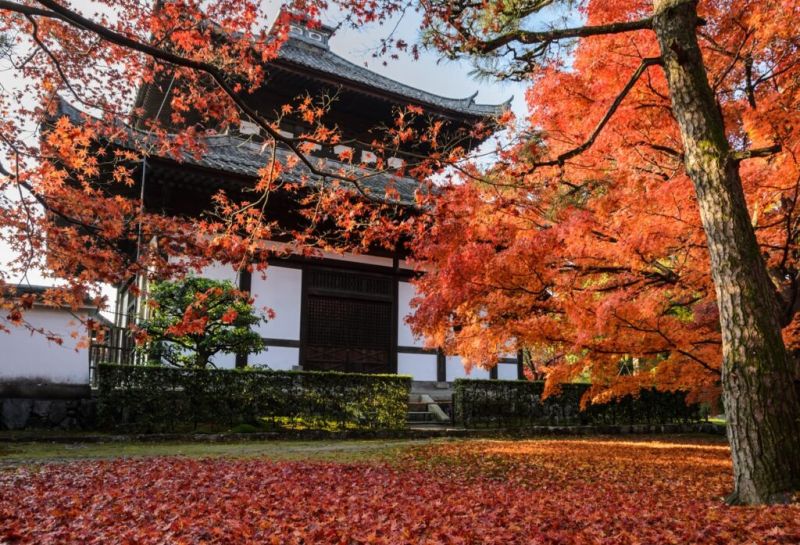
[445, 78]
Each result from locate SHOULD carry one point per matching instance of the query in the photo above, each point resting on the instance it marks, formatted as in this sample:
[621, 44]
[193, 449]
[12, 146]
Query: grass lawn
[633, 490]
[16, 454]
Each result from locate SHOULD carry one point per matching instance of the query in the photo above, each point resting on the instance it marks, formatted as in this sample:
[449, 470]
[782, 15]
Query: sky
[429, 73]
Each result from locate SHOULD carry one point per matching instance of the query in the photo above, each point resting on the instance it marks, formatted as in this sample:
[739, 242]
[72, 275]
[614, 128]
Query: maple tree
[578, 491]
[193, 319]
[644, 231]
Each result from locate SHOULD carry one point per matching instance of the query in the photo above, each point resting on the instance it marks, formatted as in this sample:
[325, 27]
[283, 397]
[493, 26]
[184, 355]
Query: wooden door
[347, 321]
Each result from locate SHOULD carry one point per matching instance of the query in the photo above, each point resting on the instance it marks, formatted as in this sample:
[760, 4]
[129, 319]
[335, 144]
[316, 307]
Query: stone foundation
[41, 405]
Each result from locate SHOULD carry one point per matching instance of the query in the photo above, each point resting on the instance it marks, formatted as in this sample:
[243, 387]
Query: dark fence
[506, 404]
[116, 347]
[145, 398]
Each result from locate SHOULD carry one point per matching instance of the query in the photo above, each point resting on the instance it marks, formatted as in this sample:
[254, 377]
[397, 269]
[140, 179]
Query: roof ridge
[464, 102]
[469, 99]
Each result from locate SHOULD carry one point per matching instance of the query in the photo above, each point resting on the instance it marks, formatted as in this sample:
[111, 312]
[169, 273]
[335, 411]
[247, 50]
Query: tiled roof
[236, 155]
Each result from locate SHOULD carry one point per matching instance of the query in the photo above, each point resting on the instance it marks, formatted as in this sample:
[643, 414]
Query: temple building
[342, 312]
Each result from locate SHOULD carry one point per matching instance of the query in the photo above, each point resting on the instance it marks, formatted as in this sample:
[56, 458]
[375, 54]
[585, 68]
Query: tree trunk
[760, 400]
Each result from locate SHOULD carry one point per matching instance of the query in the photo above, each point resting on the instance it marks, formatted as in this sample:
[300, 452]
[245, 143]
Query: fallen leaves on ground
[594, 491]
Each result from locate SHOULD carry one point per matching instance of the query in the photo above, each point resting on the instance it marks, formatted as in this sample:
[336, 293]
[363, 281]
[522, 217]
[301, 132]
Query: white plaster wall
[419, 366]
[26, 356]
[507, 371]
[279, 358]
[405, 292]
[403, 264]
[455, 369]
[220, 271]
[224, 361]
[280, 291]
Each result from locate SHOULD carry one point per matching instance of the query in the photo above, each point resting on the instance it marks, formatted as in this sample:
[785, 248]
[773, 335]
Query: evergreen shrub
[505, 403]
[150, 398]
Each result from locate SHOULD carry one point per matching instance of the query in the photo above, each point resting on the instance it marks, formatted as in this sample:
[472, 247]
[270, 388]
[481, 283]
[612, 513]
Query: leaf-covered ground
[608, 491]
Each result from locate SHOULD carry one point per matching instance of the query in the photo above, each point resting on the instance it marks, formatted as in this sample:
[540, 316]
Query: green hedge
[494, 403]
[145, 398]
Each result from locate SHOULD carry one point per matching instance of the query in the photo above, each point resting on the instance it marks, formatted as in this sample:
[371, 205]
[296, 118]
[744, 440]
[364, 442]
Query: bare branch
[30, 10]
[549, 36]
[757, 152]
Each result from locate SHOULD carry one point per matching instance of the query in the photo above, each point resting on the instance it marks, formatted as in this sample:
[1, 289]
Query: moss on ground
[14, 454]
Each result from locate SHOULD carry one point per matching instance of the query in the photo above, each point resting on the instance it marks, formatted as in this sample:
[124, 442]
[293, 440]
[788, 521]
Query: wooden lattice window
[334, 282]
[348, 318]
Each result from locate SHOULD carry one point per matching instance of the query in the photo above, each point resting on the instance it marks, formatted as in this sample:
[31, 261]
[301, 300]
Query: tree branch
[549, 36]
[757, 152]
[697, 360]
[566, 156]
[55, 61]
[30, 10]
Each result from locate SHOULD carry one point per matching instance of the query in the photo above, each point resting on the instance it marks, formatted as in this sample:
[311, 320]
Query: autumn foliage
[70, 187]
[567, 492]
[582, 262]
[597, 262]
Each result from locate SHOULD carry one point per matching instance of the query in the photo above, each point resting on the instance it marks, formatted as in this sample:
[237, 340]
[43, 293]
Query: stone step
[419, 416]
[423, 408]
[430, 425]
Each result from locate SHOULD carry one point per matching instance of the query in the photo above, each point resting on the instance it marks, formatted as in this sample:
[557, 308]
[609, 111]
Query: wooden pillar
[395, 314]
[441, 366]
[245, 283]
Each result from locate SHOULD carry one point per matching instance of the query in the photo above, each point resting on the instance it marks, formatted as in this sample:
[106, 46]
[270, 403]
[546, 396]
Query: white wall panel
[25, 356]
[455, 369]
[220, 271]
[419, 366]
[278, 358]
[224, 361]
[507, 371]
[405, 292]
[281, 291]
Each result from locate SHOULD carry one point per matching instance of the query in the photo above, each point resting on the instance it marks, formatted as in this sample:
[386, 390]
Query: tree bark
[761, 403]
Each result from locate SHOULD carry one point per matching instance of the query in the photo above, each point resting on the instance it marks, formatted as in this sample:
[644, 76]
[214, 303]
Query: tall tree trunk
[761, 404]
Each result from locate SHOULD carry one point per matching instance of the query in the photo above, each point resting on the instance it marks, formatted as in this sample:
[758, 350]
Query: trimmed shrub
[508, 404]
[143, 398]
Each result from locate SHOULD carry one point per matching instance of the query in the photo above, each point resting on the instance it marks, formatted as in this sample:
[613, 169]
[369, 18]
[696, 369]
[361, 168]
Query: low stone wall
[41, 405]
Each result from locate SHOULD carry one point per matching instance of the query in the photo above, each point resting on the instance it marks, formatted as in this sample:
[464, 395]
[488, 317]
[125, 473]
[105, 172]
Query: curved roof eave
[322, 60]
[232, 155]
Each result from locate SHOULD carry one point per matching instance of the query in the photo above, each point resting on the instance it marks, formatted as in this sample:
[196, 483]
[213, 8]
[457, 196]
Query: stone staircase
[425, 412]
